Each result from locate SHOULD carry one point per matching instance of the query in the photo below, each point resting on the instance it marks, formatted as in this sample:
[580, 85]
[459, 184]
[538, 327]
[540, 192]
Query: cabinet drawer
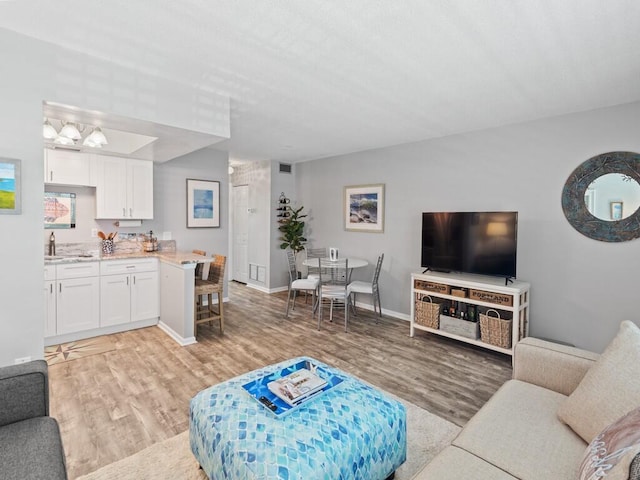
[49, 272]
[77, 270]
[117, 267]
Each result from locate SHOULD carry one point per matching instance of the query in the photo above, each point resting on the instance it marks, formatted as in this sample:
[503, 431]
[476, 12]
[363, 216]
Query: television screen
[472, 242]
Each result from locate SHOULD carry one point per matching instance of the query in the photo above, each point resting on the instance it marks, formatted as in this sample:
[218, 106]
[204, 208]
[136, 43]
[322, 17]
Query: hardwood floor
[113, 404]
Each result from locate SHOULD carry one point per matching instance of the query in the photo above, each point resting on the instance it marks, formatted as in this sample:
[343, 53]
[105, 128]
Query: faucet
[52, 245]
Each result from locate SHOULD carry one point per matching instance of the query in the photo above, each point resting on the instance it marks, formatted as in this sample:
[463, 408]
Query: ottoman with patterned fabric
[351, 431]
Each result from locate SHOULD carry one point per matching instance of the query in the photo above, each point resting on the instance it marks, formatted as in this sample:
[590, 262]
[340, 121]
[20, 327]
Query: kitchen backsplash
[132, 244]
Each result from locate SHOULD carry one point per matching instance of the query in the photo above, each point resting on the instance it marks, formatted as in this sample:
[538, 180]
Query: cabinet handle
[124, 214]
[134, 279]
[51, 288]
[51, 175]
[60, 289]
[127, 281]
[130, 212]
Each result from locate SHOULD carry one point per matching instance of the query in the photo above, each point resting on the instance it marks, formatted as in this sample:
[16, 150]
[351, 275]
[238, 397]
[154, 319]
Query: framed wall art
[616, 210]
[10, 187]
[59, 210]
[203, 203]
[364, 208]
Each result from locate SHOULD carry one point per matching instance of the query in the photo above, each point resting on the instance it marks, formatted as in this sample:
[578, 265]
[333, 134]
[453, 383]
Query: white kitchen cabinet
[50, 308]
[77, 297]
[77, 305]
[124, 188]
[67, 167]
[50, 291]
[129, 291]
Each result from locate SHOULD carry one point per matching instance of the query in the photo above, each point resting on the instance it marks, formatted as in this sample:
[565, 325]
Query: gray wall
[257, 175]
[280, 183]
[581, 288]
[36, 71]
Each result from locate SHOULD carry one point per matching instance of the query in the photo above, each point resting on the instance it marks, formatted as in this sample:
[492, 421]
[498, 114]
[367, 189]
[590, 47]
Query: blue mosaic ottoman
[349, 431]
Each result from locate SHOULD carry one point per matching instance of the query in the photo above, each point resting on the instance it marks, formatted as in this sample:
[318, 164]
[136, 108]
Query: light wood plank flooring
[113, 404]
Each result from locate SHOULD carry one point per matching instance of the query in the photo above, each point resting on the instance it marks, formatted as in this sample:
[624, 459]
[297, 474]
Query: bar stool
[214, 283]
[199, 266]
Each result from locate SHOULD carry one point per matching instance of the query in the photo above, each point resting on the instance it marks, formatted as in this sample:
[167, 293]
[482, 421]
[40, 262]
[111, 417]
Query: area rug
[171, 459]
[80, 349]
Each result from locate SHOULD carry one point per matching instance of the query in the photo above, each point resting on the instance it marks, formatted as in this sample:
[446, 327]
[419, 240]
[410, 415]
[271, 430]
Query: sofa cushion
[519, 432]
[453, 463]
[609, 389]
[610, 454]
[32, 449]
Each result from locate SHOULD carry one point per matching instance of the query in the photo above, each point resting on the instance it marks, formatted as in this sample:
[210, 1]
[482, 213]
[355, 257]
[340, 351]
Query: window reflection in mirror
[613, 197]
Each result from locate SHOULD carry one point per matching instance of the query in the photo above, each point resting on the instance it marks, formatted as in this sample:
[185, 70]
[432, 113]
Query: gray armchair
[30, 442]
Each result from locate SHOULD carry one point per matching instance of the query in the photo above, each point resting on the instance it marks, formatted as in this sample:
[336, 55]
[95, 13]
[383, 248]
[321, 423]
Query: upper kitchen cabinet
[68, 167]
[124, 188]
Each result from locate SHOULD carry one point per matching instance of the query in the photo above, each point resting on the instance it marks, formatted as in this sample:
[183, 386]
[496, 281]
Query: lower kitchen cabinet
[77, 304]
[85, 299]
[129, 298]
[50, 291]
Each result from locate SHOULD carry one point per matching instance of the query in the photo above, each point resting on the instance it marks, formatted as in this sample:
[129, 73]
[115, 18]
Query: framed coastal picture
[364, 208]
[10, 187]
[59, 210]
[203, 203]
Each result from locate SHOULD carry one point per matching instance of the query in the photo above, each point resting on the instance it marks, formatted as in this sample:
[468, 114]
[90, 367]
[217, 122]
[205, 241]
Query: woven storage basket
[428, 313]
[495, 330]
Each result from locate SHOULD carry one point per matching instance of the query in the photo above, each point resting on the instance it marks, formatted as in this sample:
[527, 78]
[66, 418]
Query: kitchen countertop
[177, 258]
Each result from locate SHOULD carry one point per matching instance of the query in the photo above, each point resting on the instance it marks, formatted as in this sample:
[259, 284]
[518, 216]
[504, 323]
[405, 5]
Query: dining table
[327, 263]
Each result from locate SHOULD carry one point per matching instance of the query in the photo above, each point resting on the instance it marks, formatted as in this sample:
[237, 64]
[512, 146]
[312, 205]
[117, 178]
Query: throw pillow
[610, 454]
[634, 471]
[609, 389]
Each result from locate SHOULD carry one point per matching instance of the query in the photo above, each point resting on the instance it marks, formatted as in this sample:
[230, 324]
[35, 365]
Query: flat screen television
[472, 242]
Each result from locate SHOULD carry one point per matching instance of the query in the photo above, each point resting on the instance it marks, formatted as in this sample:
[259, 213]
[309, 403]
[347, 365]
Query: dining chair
[214, 283]
[312, 272]
[298, 284]
[333, 288]
[370, 288]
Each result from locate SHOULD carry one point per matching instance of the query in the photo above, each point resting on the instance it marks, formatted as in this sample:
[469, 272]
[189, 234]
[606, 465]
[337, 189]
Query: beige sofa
[518, 434]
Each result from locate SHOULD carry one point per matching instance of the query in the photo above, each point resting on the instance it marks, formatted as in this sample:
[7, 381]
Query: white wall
[581, 288]
[34, 72]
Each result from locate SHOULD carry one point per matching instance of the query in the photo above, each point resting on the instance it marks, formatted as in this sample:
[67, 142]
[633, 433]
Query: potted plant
[292, 229]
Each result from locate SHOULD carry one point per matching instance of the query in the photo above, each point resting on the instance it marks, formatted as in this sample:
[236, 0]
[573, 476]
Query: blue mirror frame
[575, 208]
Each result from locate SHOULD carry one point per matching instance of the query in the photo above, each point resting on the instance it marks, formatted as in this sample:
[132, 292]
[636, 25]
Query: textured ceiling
[310, 78]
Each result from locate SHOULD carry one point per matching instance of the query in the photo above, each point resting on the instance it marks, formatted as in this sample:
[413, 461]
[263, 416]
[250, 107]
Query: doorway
[240, 219]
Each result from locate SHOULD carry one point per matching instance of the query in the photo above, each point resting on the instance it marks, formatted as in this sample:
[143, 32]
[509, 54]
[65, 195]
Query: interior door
[241, 233]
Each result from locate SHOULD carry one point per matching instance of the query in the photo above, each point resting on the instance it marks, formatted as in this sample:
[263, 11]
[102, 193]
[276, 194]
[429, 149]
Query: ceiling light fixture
[95, 139]
[48, 131]
[71, 132]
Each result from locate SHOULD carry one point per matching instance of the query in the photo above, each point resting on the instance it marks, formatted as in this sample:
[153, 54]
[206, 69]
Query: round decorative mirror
[601, 198]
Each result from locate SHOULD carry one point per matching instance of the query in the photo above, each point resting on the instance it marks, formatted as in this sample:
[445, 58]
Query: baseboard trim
[267, 290]
[388, 313]
[183, 342]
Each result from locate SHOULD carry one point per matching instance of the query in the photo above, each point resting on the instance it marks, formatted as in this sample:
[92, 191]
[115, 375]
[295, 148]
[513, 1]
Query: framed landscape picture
[203, 203]
[364, 208]
[10, 194]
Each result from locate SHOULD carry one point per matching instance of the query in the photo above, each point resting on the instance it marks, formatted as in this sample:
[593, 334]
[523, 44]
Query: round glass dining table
[353, 262]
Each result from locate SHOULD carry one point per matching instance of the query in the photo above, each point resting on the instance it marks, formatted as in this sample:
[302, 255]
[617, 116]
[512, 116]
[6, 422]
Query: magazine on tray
[296, 386]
